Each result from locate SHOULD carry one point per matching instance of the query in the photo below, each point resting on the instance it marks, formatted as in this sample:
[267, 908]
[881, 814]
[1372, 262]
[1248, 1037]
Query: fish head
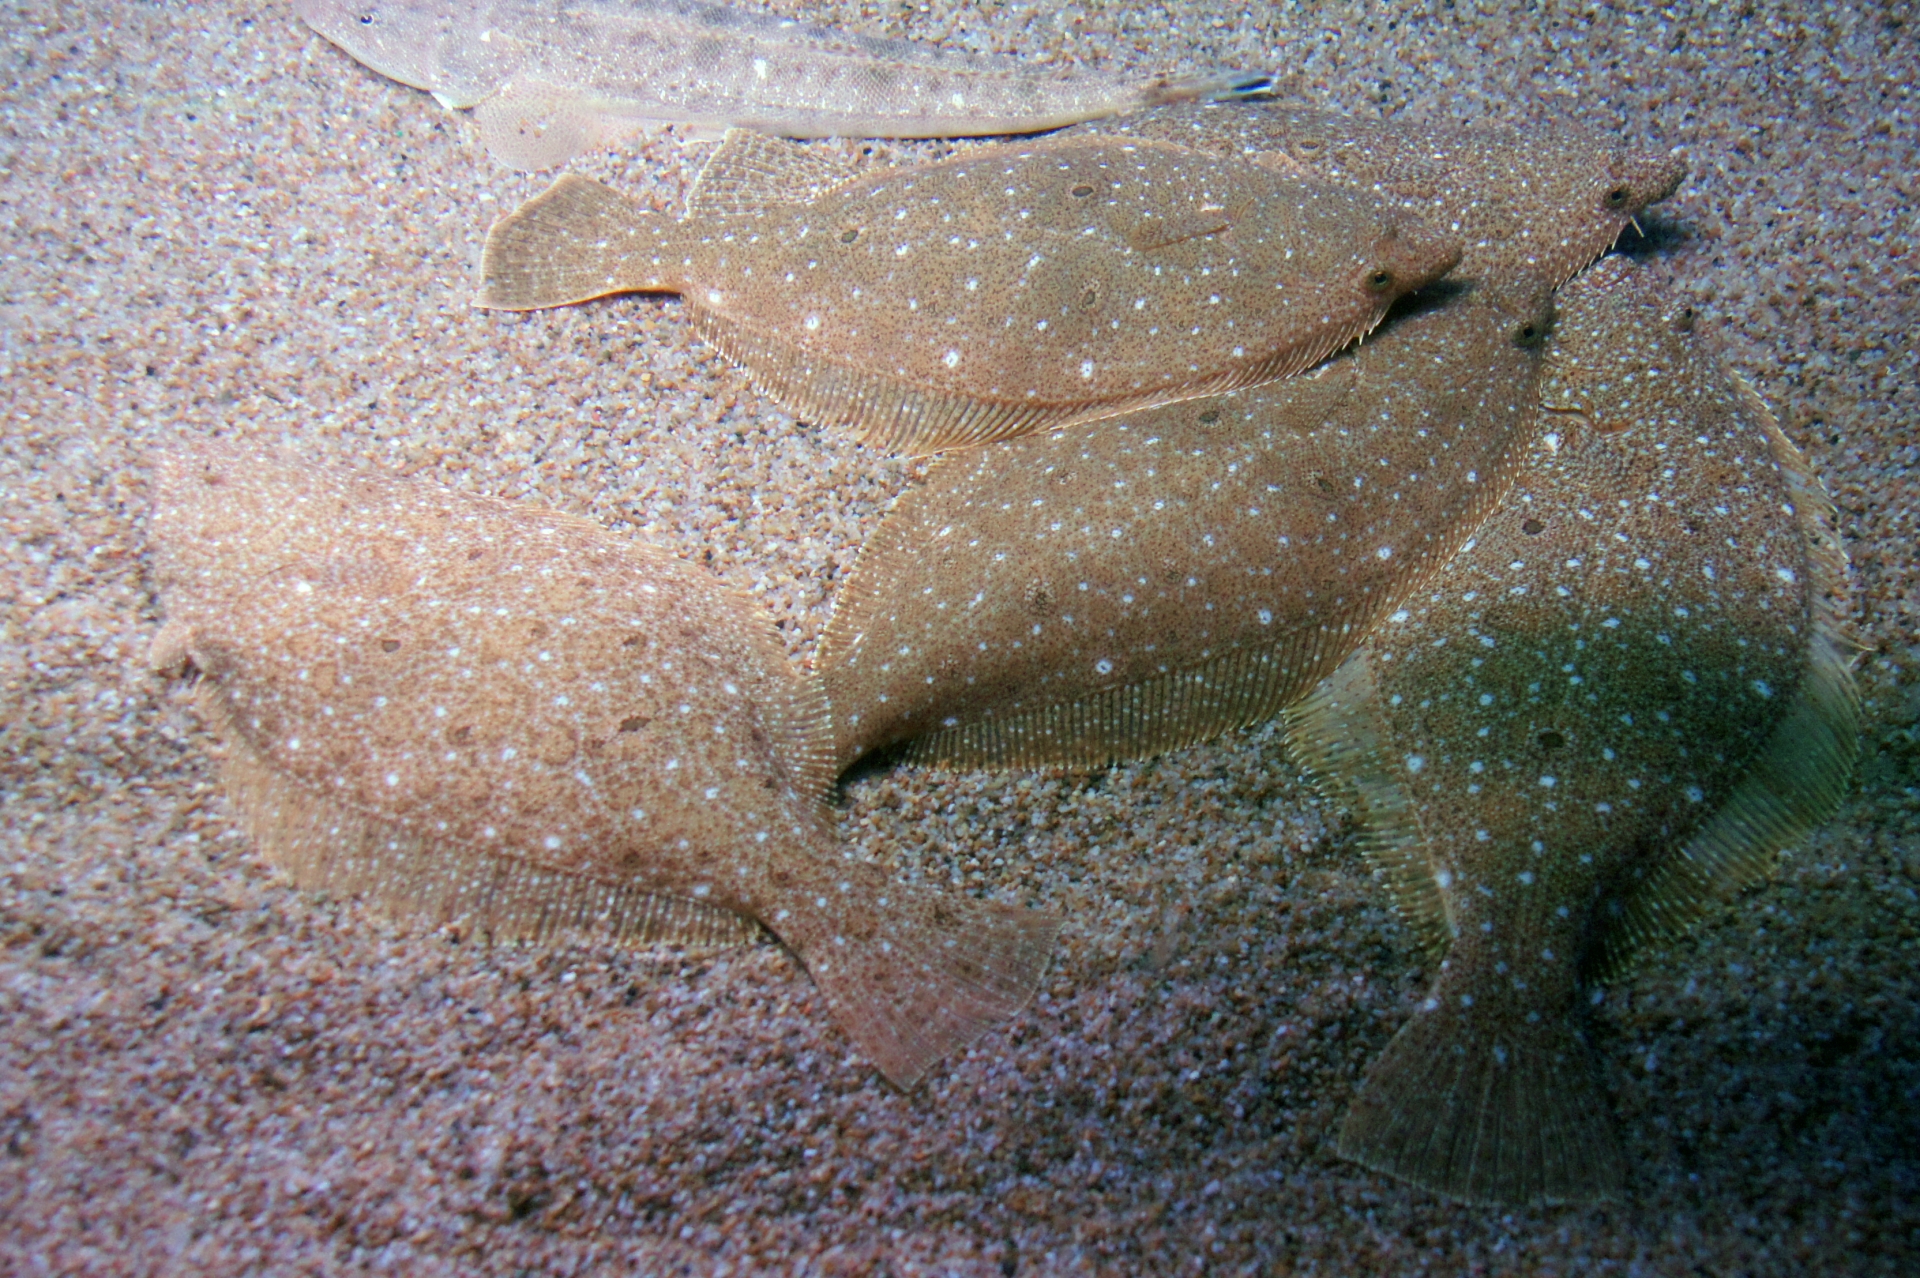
[399, 40]
[1408, 254]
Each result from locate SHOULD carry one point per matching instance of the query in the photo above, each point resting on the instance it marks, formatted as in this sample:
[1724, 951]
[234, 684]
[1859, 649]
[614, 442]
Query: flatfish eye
[1550, 740]
[1533, 527]
[1529, 333]
[1309, 147]
[1617, 198]
[1380, 279]
[851, 234]
[1089, 298]
[1081, 191]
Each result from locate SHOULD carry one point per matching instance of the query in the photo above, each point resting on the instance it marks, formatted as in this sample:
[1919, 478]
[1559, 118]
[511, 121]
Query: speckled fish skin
[549, 80]
[1001, 292]
[1135, 585]
[482, 713]
[1531, 206]
[1607, 714]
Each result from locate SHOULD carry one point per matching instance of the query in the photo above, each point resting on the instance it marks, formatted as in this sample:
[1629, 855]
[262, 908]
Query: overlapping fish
[550, 79]
[485, 714]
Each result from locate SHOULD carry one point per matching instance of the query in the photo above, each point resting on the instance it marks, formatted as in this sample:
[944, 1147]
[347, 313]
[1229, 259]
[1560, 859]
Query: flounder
[485, 714]
[1607, 714]
[1006, 290]
[1133, 585]
[1531, 205]
[549, 80]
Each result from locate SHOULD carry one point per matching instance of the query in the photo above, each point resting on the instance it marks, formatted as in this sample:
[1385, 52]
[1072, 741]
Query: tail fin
[910, 973]
[1487, 1110]
[1230, 86]
[576, 240]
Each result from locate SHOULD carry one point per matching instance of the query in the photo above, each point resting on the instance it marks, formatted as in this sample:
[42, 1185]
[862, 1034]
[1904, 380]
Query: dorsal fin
[1337, 735]
[1801, 772]
[328, 847]
[751, 172]
[1132, 721]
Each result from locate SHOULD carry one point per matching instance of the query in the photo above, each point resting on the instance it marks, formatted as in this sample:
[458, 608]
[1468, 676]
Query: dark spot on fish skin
[1533, 527]
[634, 722]
[1551, 740]
[389, 645]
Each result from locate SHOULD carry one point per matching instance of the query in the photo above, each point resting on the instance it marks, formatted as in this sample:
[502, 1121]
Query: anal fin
[327, 847]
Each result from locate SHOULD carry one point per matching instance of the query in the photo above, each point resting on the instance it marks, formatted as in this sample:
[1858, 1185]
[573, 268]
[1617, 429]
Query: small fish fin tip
[752, 172]
[1505, 1113]
[327, 847]
[530, 125]
[1230, 86]
[1337, 735]
[930, 972]
[576, 240]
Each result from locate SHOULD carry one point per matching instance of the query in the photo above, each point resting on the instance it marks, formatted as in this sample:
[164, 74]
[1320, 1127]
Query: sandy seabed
[214, 222]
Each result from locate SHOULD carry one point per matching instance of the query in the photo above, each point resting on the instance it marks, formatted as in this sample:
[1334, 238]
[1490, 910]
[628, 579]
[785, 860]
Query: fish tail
[1487, 1109]
[911, 973]
[1231, 86]
[578, 239]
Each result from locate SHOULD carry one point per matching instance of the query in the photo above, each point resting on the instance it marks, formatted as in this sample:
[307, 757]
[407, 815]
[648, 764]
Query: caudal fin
[576, 240]
[1487, 1111]
[912, 974]
[1231, 86]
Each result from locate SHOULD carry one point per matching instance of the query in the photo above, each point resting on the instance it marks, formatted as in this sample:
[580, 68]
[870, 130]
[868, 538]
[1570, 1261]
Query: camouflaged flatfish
[1605, 716]
[1133, 585]
[1532, 205]
[481, 713]
[1000, 292]
[549, 80]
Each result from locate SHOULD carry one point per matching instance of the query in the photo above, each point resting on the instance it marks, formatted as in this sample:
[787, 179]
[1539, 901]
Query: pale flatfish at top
[548, 80]
[1532, 204]
[1008, 289]
[1603, 719]
[511, 720]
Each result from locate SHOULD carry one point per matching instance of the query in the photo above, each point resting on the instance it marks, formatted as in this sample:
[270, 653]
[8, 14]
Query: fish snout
[1640, 179]
[1409, 254]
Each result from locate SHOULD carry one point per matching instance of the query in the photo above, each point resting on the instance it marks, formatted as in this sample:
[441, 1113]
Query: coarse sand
[215, 222]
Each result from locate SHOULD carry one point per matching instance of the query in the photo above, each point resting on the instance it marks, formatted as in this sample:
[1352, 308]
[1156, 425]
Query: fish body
[1620, 699]
[1133, 585]
[1006, 290]
[1531, 205]
[548, 80]
[484, 714]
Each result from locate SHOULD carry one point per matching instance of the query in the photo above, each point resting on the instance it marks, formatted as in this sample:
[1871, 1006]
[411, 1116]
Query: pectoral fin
[531, 125]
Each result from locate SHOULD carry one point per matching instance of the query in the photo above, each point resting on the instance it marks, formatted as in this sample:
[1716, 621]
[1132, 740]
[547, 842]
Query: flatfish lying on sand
[1532, 205]
[1128, 586]
[549, 80]
[1137, 584]
[1006, 290]
[1607, 715]
[481, 713]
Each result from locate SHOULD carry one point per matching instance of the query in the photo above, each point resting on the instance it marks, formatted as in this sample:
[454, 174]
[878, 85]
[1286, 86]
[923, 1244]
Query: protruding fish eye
[1380, 280]
[1309, 146]
[366, 19]
[1082, 191]
[1532, 527]
[1529, 333]
[849, 235]
[1617, 198]
[1683, 320]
